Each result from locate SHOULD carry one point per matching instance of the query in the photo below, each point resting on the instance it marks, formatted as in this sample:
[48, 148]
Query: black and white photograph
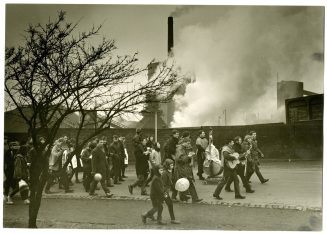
[163, 116]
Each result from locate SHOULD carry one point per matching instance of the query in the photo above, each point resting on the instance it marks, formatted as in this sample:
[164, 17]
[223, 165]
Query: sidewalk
[292, 185]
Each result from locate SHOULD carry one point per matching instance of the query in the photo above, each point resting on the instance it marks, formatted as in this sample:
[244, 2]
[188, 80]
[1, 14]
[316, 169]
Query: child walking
[166, 176]
[157, 196]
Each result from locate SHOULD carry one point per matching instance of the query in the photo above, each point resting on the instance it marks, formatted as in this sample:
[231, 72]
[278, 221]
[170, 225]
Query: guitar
[245, 155]
[232, 164]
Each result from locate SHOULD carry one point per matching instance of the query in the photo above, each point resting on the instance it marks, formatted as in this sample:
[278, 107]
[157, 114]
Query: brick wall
[277, 140]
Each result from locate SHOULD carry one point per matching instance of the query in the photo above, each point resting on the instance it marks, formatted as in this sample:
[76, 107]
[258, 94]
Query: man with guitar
[244, 150]
[230, 160]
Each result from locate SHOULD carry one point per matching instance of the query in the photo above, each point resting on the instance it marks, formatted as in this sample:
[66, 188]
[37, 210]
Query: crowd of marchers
[105, 163]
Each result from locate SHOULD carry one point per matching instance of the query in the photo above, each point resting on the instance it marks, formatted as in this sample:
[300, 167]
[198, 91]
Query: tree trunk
[35, 199]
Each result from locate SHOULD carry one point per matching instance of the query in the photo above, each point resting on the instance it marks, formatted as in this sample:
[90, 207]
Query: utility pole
[156, 126]
[225, 111]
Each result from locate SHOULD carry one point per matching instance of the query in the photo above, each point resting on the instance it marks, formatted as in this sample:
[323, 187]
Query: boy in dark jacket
[167, 181]
[157, 196]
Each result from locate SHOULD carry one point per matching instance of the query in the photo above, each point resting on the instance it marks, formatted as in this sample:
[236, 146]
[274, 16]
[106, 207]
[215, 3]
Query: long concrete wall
[276, 140]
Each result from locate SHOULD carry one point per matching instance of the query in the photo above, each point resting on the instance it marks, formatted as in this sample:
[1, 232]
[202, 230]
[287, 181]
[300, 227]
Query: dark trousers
[9, 183]
[23, 194]
[253, 167]
[156, 207]
[191, 190]
[63, 179]
[170, 206]
[122, 168]
[200, 159]
[103, 185]
[141, 181]
[87, 179]
[228, 173]
[240, 169]
[150, 177]
[116, 169]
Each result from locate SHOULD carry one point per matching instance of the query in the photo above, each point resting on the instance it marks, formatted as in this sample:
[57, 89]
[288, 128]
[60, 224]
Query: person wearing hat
[157, 196]
[256, 153]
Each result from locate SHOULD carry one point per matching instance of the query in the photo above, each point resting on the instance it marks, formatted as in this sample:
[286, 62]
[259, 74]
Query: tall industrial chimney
[170, 35]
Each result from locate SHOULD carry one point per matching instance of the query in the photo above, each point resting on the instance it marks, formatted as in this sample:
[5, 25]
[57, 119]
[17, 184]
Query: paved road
[295, 184]
[118, 214]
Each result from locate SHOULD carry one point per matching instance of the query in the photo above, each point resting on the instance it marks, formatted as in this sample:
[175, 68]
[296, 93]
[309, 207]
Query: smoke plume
[235, 60]
[182, 10]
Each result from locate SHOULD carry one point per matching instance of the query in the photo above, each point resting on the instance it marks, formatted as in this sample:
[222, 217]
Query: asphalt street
[118, 214]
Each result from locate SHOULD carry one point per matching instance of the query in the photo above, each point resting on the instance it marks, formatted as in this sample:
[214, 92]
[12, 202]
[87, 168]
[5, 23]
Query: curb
[219, 203]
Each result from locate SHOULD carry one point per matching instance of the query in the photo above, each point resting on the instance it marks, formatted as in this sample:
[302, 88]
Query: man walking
[201, 144]
[229, 171]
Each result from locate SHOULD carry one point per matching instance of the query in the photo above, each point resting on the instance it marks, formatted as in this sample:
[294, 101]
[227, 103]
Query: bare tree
[57, 72]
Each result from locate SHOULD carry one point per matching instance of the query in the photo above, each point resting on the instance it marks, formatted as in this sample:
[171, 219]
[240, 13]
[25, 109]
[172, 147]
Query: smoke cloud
[182, 10]
[235, 60]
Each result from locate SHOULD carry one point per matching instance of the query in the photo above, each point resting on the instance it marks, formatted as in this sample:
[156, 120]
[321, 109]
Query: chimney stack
[170, 35]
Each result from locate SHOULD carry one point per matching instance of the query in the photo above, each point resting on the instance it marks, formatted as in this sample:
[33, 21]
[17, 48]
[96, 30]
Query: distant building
[304, 108]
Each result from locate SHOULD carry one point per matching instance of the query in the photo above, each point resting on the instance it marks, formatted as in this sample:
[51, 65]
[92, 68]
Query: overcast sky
[243, 47]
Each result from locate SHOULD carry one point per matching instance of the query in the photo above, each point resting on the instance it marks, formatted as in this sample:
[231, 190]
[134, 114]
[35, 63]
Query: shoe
[69, 191]
[229, 190]
[145, 194]
[197, 200]
[201, 178]
[161, 223]
[143, 218]
[249, 182]
[217, 197]
[174, 200]
[175, 222]
[27, 201]
[110, 185]
[125, 176]
[264, 181]
[9, 201]
[250, 191]
[239, 197]
[47, 191]
[109, 195]
[130, 189]
[117, 182]
[93, 194]
[153, 218]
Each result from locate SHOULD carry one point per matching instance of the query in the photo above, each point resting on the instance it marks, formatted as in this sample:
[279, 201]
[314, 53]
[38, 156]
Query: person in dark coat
[170, 152]
[9, 167]
[21, 173]
[87, 165]
[170, 146]
[256, 154]
[168, 184]
[240, 168]
[141, 165]
[183, 166]
[99, 165]
[228, 155]
[157, 196]
[115, 151]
